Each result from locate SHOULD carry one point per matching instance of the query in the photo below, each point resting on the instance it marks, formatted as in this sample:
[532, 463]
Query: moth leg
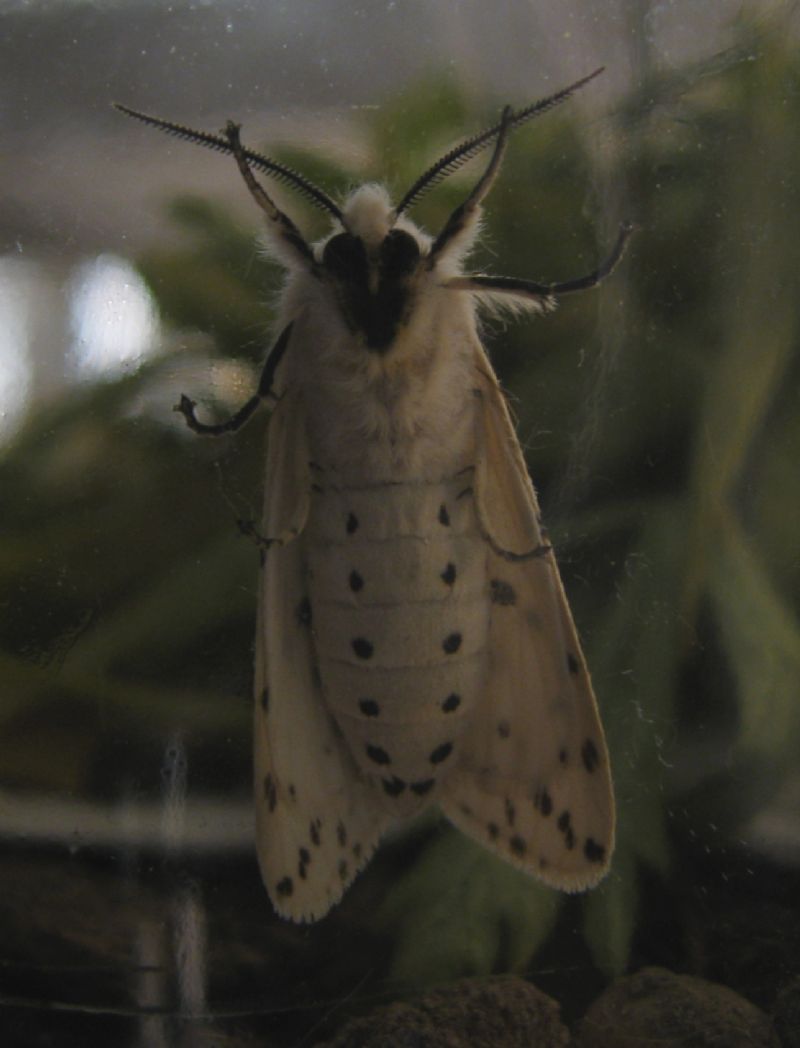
[531, 288]
[248, 528]
[541, 549]
[186, 406]
[605, 268]
[286, 228]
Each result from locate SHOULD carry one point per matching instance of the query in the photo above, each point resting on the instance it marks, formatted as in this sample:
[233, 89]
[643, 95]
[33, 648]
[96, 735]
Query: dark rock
[502, 1012]
[656, 1006]
[786, 1014]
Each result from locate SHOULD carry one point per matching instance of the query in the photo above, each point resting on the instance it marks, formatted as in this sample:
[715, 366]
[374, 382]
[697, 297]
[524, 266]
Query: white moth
[414, 643]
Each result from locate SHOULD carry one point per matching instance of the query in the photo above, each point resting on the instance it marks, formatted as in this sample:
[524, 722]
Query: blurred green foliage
[660, 417]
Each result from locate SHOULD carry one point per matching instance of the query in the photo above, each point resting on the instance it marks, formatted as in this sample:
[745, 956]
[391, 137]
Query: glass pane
[658, 416]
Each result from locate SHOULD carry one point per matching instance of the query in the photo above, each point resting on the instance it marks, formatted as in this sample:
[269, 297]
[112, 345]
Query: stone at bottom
[656, 1006]
[470, 1013]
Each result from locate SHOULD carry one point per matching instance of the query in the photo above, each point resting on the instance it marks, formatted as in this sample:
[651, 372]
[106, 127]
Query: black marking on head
[422, 787]
[562, 756]
[449, 574]
[304, 858]
[441, 753]
[452, 702]
[593, 851]
[341, 833]
[502, 593]
[493, 830]
[518, 845]
[292, 791]
[544, 802]
[265, 700]
[589, 755]
[503, 729]
[511, 811]
[569, 839]
[543, 863]
[356, 850]
[573, 665]
[444, 516]
[393, 787]
[284, 887]
[463, 493]
[378, 311]
[451, 643]
[378, 754]
[399, 254]
[356, 581]
[369, 707]
[362, 648]
[352, 523]
[304, 612]
[270, 792]
[342, 870]
[313, 832]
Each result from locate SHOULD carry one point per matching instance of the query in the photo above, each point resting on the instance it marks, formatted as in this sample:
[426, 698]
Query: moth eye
[344, 255]
[399, 254]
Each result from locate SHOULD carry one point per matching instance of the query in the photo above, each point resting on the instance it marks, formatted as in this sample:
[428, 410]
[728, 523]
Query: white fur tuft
[368, 213]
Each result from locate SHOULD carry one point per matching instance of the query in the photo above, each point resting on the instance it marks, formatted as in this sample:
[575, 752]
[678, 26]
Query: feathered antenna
[262, 163]
[460, 154]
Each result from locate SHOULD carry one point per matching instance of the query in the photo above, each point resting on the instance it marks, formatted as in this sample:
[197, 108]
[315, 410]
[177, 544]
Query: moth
[414, 643]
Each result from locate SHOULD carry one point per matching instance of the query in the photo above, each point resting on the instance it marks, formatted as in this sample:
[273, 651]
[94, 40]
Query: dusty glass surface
[660, 419]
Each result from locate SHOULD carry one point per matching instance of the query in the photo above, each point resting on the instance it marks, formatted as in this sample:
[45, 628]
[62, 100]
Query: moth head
[376, 259]
[372, 266]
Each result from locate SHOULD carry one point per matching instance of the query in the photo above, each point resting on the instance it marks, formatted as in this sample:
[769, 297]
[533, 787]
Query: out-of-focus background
[660, 418]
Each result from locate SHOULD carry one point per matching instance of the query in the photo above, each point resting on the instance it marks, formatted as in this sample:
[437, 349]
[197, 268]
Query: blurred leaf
[462, 911]
[762, 637]
[610, 916]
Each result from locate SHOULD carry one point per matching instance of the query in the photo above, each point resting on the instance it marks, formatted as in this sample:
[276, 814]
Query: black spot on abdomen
[355, 582]
[378, 755]
[393, 787]
[362, 647]
[451, 643]
[448, 576]
[441, 753]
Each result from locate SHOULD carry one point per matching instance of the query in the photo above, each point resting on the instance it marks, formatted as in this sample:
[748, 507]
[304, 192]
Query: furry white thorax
[408, 413]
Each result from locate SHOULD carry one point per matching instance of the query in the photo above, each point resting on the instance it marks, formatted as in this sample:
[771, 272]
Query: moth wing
[533, 782]
[316, 820]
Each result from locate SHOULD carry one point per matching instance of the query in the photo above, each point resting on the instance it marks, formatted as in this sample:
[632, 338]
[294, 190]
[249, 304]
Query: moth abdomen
[392, 635]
